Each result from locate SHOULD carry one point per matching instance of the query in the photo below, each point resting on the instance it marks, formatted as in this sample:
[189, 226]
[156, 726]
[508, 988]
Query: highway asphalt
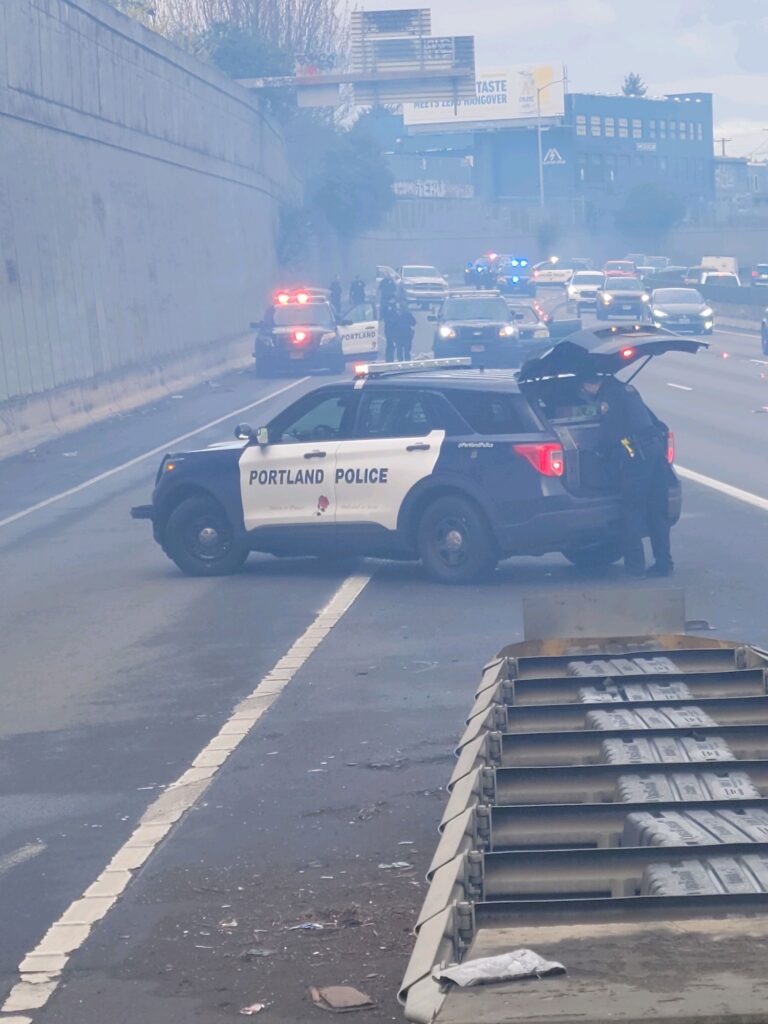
[117, 671]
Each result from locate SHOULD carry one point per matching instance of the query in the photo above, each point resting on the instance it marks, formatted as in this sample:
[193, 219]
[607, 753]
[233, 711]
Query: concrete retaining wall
[139, 192]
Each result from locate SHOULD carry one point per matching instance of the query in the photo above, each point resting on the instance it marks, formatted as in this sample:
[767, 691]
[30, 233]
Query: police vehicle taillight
[299, 337]
[302, 298]
[283, 298]
[627, 353]
[546, 457]
[670, 448]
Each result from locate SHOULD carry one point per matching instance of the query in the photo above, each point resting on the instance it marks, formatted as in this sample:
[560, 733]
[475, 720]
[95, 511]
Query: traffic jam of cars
[477, 446]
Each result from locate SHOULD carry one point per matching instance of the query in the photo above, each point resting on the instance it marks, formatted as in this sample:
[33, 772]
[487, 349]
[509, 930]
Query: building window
[662, 129]
[651, 129]
[623, 128]
[637, 129]
[700, 131]
[594, 126]
[663, 164]
[610, 127]
[581, 124]
[673, 129]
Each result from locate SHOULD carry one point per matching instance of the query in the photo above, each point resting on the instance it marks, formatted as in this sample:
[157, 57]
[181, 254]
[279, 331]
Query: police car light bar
[414, 366]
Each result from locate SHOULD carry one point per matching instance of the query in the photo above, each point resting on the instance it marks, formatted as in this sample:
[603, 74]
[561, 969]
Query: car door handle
[418, 448]
[315, 455]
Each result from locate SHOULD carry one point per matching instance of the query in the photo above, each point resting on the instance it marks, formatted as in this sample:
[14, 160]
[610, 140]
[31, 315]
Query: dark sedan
[479, 326]
[681, 309]
[622, 296]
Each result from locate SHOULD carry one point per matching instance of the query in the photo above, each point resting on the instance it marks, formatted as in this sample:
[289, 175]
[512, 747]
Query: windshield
[310, 315]
[584, 277]
[420, 272]
[524, 314]
[475, 309]
[624, 284]
[676, 295]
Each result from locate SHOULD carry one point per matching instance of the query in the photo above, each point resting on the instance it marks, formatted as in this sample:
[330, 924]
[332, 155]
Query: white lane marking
[146, 455]
[717, 485]
[680, 387]
[759, 362]
[20, 856]
[40, 970]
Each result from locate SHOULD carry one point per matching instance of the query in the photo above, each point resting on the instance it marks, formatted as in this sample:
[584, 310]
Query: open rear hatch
[551, 383]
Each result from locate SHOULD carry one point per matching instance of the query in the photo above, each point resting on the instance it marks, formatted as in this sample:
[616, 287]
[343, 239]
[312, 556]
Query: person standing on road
[405, 326]
[389, 316]
[335, 291]
[387, 291]
[634, 441]
[357, 291]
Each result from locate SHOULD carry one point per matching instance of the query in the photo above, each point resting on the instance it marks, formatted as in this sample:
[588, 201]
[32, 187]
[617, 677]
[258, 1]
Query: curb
[27, 422]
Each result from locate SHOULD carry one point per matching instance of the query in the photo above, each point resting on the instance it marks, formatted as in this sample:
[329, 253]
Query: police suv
[434, 460]
[301, 331]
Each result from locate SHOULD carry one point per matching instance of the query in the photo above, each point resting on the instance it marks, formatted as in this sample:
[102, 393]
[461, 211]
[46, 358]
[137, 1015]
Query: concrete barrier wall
[139, 195]
[448, 232]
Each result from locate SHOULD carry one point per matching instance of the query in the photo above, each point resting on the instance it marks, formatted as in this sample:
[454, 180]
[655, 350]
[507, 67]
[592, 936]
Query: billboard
[509, 95]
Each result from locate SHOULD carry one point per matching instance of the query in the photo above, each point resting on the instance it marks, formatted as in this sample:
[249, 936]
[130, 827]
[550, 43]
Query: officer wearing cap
[634, 442]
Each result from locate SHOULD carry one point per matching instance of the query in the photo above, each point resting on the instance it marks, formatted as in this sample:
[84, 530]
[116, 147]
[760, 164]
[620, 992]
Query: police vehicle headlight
[508, 331]
[446, 332]
[706, 313]
[327, 338]
[660, 313]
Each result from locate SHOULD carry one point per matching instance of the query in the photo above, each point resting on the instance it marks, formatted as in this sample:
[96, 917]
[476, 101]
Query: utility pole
[539, 91]
[722, 143]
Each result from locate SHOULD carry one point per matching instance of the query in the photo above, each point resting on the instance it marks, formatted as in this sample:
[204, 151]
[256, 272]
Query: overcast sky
[718, 46]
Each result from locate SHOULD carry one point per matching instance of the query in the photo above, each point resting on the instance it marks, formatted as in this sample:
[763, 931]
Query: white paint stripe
[161, 449]
[728, 489]
[20, 856]
[40, 970]
[680, 387]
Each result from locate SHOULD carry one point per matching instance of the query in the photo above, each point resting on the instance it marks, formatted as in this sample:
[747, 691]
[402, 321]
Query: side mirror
[243, 432]
[262, 437]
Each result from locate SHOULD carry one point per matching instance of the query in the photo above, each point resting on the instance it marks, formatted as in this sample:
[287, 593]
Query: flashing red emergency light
[299, 337]
[302, 298]
[283, 298]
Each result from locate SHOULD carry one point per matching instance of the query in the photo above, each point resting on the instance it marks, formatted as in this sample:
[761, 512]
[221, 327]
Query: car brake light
[299, 337]
[627, 353]
[754, 273]
[546, 458]
[670, 448]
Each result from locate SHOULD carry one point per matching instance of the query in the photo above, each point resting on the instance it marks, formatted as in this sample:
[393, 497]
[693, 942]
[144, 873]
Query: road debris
[307, 926]
[228, 924]
[396, 865]
[255, 953]
[340, 999]
[522, 963]
[253, 1009]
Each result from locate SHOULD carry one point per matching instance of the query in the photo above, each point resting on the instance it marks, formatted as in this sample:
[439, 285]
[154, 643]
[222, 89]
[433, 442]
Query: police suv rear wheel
[199, 538]
[455, 541]
[596, 556]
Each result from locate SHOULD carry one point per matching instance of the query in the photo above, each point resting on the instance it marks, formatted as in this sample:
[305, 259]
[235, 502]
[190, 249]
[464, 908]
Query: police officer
[634, 441]
[335, 291]
[357, 291]
[387, 291]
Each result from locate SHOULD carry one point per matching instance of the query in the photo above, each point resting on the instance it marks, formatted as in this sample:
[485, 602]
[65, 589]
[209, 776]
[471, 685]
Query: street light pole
[539, 91]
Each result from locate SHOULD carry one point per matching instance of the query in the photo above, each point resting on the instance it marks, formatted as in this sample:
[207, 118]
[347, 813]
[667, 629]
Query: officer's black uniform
[635, 443]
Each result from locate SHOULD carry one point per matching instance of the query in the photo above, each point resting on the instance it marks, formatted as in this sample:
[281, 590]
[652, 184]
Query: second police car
[300, 331]
[438, 461]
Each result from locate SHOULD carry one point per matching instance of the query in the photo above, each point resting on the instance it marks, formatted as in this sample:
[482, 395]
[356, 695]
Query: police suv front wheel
[455, 541]
[199, 538]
